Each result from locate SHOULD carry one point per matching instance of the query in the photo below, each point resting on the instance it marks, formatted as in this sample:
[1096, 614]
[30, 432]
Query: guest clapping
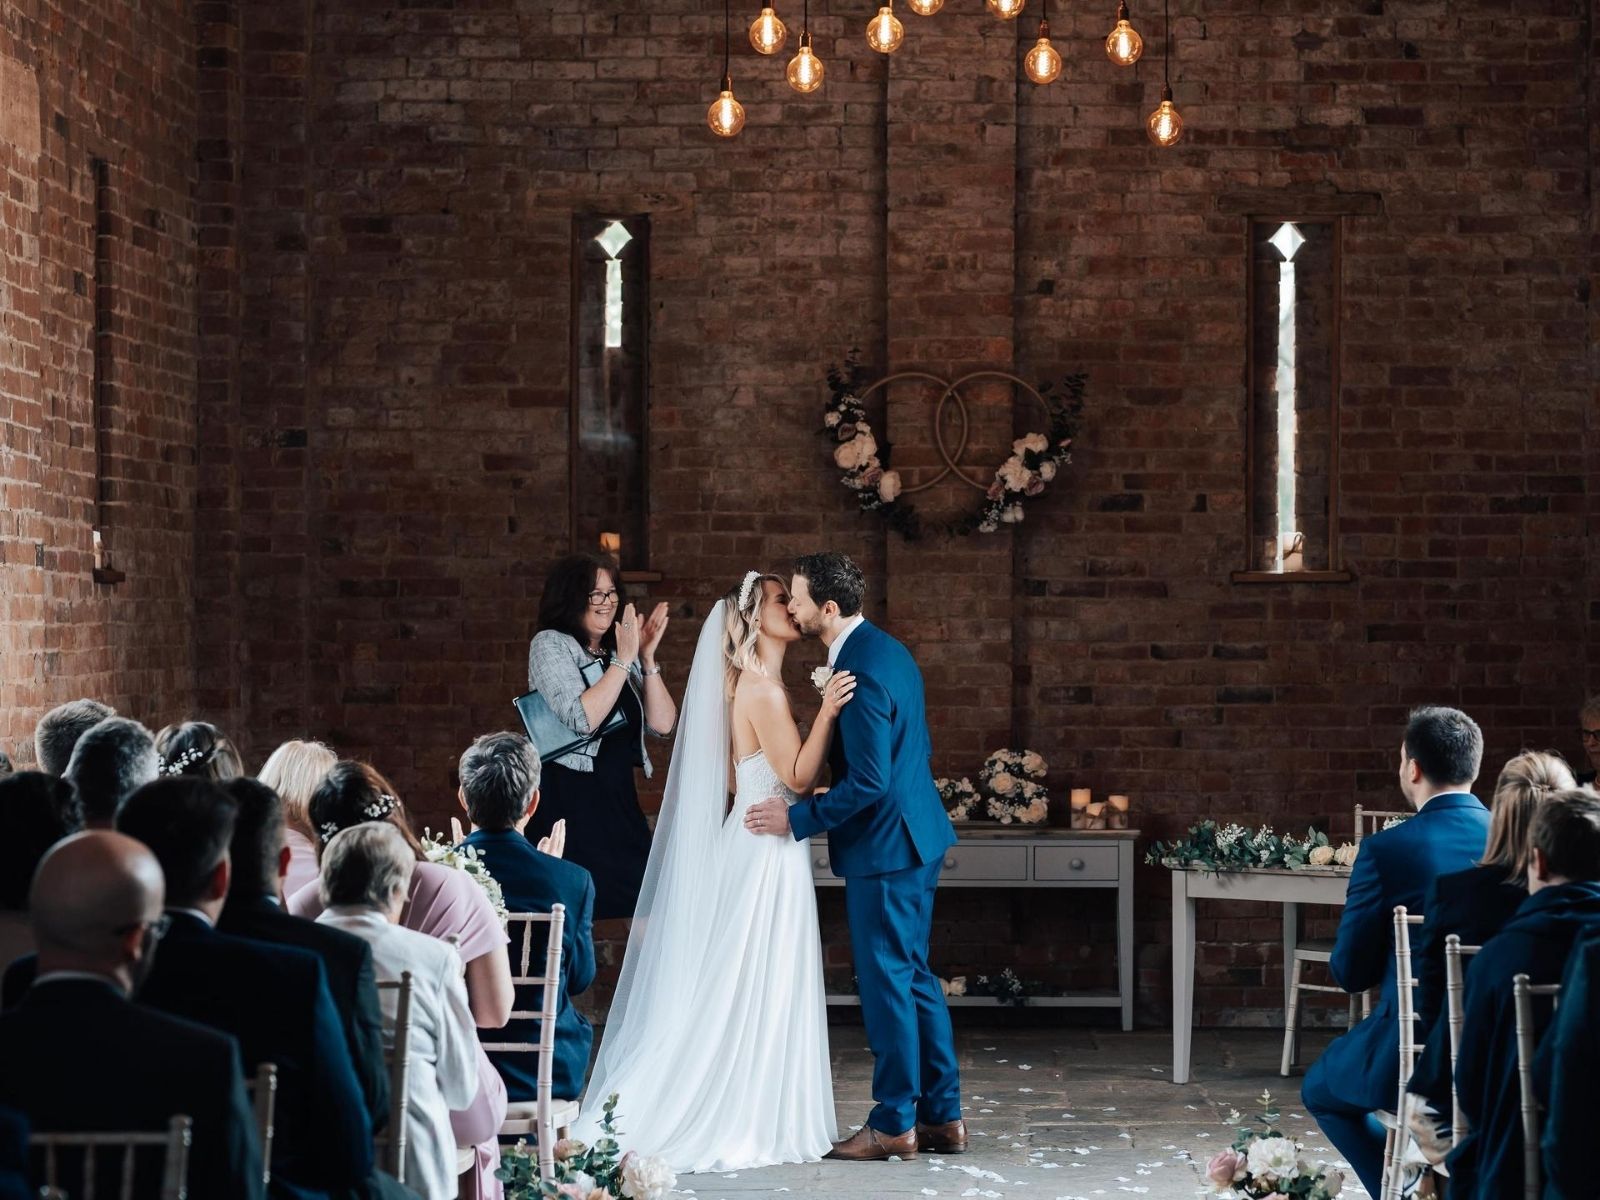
[293, 771]
[111, 761]
[58, 731]
[366, 876]
[200, 749]
[591, 657]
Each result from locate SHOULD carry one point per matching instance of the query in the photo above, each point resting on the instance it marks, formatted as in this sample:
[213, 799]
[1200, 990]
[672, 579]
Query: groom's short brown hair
[833, 577]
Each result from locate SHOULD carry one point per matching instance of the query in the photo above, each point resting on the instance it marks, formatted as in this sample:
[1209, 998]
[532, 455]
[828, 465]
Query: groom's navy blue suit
[887, 835]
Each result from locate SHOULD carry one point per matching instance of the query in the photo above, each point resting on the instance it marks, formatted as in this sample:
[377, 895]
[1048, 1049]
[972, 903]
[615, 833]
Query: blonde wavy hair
[741, 630]
[1525, 783]
[295, 770]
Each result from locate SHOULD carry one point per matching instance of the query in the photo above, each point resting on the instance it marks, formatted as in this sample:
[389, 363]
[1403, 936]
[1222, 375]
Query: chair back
[391, 1143]
[1372, 820]
[1455, 1008]
[174, 1144]
[1405, 1005]
[521, 927]
[1523, 990]
[263, 1091]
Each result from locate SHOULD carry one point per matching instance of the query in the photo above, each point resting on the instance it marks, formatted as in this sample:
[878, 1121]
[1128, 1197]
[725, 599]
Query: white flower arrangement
[1266, 1161]
[958, 796]
[1014, 782]
[585, 1172]
[956, 986]
[1214, 848]
[466, 858]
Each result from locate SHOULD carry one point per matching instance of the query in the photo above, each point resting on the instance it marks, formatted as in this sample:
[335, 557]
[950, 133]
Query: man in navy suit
[500, 791]
[1357, 1076]
[887, 836]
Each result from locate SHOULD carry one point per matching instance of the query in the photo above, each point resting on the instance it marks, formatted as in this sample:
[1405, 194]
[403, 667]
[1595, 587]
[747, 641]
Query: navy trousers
[1349, 1124]
[914, 1073]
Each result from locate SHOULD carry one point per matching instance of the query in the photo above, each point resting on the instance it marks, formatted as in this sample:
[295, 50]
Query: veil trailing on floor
[668, 942]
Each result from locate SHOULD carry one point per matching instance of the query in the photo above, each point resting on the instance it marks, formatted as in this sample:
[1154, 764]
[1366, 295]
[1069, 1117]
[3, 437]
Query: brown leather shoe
[868, 1145]
[949, 1138]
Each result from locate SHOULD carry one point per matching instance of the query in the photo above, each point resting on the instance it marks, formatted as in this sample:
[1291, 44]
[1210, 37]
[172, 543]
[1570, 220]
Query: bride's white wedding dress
[717, 1041]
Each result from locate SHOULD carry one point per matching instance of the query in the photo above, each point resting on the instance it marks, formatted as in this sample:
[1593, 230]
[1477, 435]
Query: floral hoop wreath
[1035, 460]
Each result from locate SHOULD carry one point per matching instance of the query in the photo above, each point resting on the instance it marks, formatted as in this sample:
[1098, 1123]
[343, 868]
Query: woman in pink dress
[443, 903]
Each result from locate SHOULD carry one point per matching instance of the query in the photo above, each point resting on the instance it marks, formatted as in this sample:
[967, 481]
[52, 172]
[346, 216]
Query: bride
[717, 1040]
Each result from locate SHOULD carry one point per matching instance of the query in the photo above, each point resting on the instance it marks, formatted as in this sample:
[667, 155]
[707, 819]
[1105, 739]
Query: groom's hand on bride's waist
[768, 816]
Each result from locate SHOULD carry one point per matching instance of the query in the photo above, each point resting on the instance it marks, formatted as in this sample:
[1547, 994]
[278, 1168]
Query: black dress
[606, 830]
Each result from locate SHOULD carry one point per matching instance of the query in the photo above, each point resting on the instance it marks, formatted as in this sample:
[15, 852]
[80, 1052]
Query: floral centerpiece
[958, 796]
[466, 858]
[583, 1172]
[1215, 848]
[1014, 791]
[1265, 1161]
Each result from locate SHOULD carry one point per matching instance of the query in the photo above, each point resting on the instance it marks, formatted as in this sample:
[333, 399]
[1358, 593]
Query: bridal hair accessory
[187, 758]
[747, 587]
[380, 808]
[327, 829]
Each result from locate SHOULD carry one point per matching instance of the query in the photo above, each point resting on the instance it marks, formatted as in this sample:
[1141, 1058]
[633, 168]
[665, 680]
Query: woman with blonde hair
[294, 770]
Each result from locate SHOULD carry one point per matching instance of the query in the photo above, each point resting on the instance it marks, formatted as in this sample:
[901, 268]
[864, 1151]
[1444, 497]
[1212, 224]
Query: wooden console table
[1000, 856]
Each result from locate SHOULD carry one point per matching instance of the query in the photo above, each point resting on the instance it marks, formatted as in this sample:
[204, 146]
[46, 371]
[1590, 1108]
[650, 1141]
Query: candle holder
[1094, 816]
[1080, 799]
[611, 543]
[1116, 812]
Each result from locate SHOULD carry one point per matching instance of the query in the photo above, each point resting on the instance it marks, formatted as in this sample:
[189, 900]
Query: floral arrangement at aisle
[1009, 791]
[583, 1172]
[1036, 458]
[1264, 1161]
[466, 858]
[1216, 848]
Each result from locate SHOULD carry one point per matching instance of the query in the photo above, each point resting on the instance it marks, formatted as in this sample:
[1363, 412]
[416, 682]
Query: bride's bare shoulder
[752, 687]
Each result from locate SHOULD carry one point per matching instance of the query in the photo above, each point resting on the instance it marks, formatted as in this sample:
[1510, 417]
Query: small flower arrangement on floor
[583, 1172]
[1217, 848]
[466, 858]
[1264, 1161]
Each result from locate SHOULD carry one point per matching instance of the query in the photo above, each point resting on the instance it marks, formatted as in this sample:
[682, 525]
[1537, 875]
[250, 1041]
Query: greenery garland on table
[1035, 458]
[1216, 848]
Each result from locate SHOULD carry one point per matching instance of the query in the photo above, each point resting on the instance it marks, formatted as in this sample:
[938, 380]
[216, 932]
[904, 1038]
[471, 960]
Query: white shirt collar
[838, 642]
[196, 913]
[73, 976]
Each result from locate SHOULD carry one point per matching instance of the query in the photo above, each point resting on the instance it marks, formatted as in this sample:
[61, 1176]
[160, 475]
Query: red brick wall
[87, 79]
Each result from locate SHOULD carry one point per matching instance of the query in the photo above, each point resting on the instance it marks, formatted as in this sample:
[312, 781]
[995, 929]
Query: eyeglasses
[154, 930]
[601, 599]
[1589, 735]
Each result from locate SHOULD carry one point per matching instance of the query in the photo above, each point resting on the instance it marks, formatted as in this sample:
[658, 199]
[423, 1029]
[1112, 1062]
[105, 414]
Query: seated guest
[1568, 1073]
[443, 902]
[294, 770]
[14, 1170]
[1356, 1076]
[500, 791]
[59, 729]
[198, 748]
[6, 767]
[366, 874]
[1589, 731]
[1563, 903]
[36, 812]
[274, 999]
[78, 1057]
[111, 761]
[255, 910]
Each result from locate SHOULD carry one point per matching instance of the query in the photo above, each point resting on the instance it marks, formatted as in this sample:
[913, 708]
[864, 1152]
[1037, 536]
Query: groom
[887, 835]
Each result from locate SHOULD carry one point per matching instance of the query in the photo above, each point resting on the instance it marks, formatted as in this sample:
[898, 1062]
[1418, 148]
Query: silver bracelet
[655, 670]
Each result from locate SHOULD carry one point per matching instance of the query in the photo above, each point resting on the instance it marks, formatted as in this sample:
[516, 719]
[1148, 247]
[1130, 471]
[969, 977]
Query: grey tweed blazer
[557, 666]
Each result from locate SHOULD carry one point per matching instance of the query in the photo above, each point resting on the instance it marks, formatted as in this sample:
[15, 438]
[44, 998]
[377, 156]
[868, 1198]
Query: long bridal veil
[668, 942]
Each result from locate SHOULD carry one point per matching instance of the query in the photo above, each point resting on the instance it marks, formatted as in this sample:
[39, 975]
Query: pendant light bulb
[925, 8]
[1165, 125]
[1043, 63]
[1124, 45]
[805, 68]
[726, 116]
[767, 33]
[884, 31]
[1007, 10]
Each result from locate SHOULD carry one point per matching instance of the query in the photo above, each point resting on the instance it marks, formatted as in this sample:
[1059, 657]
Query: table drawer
[999, 864]
[1058, 863]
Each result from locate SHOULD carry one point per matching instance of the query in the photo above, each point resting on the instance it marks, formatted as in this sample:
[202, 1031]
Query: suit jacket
[347, 964]
[882, 812]
[1394, 867]
[1474, 904]
[1568, 1075]
[1488, 1162]
[533, 882]
[14, 1170]
[80, 1058]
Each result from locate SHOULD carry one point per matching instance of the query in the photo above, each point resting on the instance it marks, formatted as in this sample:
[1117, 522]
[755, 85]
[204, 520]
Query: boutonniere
[820, 677]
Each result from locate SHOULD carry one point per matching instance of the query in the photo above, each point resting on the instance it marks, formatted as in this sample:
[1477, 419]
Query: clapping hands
[555, 844]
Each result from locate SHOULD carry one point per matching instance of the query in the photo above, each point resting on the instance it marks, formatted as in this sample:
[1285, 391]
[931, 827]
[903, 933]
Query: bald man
[79, 1056]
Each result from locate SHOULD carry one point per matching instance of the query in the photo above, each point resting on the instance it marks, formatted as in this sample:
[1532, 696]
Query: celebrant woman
[593, 657]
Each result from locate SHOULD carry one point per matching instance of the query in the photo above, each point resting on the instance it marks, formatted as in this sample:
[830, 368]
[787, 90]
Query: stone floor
[1057, 1114]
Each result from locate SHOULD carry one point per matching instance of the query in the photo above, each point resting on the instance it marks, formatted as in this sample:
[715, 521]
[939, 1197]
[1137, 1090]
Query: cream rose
[1321, 856]
[646, 1178]
[1004, 783]
[1273, 1157]
[855, 453]
[889, 487]
[1345, 855]
[1047, 470]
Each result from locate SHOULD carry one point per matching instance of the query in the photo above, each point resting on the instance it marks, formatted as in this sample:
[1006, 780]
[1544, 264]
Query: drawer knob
[820, 862]
[949, 862]
[1076, 864]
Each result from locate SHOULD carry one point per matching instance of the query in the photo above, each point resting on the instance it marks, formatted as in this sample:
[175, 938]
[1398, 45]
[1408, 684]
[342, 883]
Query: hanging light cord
[727, 24]
[1166, 66]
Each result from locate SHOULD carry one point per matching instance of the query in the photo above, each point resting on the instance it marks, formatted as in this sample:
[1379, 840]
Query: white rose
[1003, 784]
[855, 453]
[1321, 856]
[820, 677]
[831, 419]
[987, 527]
[1047, 470]
[1014, 475]
[647, 1178]
[1011, 515]
[1345, 855]
[958, 986]
[1033, 763]
[1036, 442]
[889, 487]
[1272, 1157]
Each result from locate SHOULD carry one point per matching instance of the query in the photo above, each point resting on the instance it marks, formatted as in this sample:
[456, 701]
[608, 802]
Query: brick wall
[80, 81]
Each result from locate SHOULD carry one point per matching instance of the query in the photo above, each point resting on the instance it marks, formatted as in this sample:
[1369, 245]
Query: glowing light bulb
[1043, 63]
[767, 33]
[1124, 45]
[884, 31]
[1007, 10]
[805, 69]
[1165, 125]
[726, 115]
[925, 8]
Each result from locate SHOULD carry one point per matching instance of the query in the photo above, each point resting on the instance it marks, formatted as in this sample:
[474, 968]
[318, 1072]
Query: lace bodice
[755, 780]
